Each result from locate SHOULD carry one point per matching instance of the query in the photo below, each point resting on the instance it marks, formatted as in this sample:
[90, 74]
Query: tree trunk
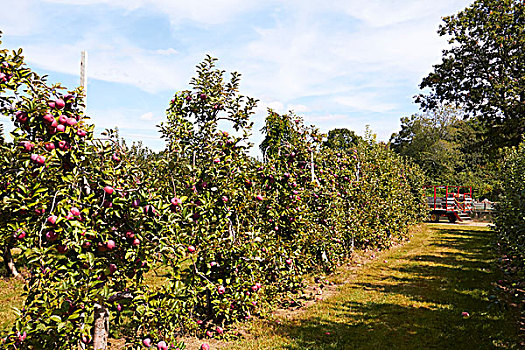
[101, 329]
[9, 262]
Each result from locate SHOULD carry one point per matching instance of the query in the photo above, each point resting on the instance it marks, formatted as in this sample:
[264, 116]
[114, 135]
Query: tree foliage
[483, 70]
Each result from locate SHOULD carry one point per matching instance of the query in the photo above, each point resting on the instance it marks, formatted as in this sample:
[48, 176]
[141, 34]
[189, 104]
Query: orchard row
[223, 235]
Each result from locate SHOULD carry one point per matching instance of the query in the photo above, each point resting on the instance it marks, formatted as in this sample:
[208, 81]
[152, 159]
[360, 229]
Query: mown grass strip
[411, 297]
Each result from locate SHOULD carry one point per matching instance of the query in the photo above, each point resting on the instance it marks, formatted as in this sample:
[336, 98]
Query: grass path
[411, 297]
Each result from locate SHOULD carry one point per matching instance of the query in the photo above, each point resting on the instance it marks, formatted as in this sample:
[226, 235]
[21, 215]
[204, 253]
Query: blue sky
[337, 63]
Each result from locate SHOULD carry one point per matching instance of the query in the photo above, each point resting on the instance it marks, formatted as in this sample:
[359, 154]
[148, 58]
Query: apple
[52, 219]
[130, 234]
[205, 347]
[259, 197]
[49, 146]
[209, 334]
[176, 201]
[62, 119]
[115, 157]
[219, 330]
[221, 290]
[110, 244]
[59, 103]
[136, 242]
[191, 249]
[40, 160]
[112, 268]
[146, 342]
[61, 128]
[108, 190]
[161, 345]
[81, 133]
[75, 211]
[34, 157]
[216, 160]
[21, 234]
[71, 121]
[63, 145]
[28, 146]
[51, 236]
[48, 117]
[21, 117]
[289, 261]
[51, 104]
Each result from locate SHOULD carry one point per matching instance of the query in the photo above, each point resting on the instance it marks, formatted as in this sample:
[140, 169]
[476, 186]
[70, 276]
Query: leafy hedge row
[227, 234]
[510, 217]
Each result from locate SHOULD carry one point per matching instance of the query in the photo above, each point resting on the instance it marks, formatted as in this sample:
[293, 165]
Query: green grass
[412, 301]
[10, 290]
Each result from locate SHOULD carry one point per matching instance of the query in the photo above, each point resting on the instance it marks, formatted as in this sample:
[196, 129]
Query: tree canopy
[483, 70]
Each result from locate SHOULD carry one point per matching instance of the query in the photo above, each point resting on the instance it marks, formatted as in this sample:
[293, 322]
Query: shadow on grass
[415, 302]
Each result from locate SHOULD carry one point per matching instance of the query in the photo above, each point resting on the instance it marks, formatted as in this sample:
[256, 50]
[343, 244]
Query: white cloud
[147, 116]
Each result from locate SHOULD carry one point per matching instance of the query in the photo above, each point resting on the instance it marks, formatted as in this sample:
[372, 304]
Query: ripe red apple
[81, 133]
[63, 145]
[216, 160]
[62, 119]
[51, 104]
[221, 290]
[49, 146]
[136, 242]
[75, 211]
[219, 330]
[115, 157]
[146, 342]
[108, 190]
[259, 197]
[59, 103]
[205, 347]
[40, 160]
[21, 234]
[71, 121]
[52, 219]
[191, 249]
[61, 128]
[110, 244]
[161, 345]
[130, 234]
[112, 268]
[51, 236]
[48, 117]
[176, 201]
[21, 117]
[289, 261]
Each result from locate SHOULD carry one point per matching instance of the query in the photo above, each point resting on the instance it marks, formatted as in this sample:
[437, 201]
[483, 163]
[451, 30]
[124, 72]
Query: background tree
[483, 71]
[342, 139]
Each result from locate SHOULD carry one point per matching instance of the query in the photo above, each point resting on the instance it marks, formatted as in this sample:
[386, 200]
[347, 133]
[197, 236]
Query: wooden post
[101, 327]
[312, 165]
[83, 75]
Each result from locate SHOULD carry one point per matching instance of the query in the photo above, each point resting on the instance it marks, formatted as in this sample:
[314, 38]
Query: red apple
[51, 236]
[112, 268]
[136, 242]
[75, 211]
[161, 345]
[48, 117]
[71, 121]
[108, 190]
[52, 219]
[62, 119]
[49, 146]
[61, 128]
[111, 244]
[59, 103]
[147, 342]
[81, 133]
[219, 330]
[221, 290]
[259, 197]
[205, 347]
[191, 249]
